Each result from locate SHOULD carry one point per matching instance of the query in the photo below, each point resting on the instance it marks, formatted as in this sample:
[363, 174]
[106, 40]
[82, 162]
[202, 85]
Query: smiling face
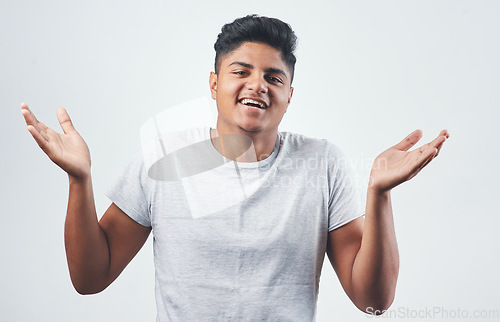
[252, 90]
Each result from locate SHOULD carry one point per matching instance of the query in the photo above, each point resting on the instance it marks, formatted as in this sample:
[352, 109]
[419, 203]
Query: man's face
[252, 90]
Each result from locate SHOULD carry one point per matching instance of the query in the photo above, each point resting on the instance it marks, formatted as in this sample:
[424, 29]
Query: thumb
[65, 121]
[409, 141]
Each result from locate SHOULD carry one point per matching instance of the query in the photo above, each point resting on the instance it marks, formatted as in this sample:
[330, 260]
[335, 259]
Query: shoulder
[158, 144]
[326, 153]
[294, 142]
[166, 141]
[192, 135]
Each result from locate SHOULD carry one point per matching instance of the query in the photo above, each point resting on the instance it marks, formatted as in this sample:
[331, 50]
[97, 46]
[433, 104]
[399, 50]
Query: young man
[237, 241]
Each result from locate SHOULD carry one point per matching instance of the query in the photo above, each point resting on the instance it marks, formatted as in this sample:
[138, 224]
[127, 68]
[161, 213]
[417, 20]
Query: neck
[243, 146]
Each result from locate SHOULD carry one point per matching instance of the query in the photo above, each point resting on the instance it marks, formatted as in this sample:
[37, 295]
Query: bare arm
[365, 256]
[364, 252]
[97, 252]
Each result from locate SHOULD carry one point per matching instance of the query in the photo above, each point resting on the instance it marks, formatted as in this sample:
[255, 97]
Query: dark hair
[255, 28]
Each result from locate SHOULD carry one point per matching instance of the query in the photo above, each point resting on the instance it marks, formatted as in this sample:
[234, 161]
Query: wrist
[79, 179]
[375, 191]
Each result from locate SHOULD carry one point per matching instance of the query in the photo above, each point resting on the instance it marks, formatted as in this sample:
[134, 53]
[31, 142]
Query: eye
[240, 72]
[274, 79]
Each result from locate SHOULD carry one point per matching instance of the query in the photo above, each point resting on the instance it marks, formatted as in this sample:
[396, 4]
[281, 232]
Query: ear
[213, 84]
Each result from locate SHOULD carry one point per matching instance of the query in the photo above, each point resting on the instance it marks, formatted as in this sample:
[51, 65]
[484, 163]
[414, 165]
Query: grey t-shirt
[238, 241]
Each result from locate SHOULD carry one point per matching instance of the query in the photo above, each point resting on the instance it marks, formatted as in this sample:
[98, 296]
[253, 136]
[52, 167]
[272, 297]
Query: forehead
[256, 54]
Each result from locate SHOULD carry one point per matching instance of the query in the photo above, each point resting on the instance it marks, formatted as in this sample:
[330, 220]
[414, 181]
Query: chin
[251, 129]
[249, 125]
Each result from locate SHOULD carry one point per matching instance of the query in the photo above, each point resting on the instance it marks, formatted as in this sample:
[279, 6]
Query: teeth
[251, 101]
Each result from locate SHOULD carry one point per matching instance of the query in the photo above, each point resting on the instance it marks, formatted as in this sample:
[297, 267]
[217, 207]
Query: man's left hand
[397, 165]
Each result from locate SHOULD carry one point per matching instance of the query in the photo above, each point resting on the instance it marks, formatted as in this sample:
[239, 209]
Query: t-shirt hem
[131, 212]
[345, 222]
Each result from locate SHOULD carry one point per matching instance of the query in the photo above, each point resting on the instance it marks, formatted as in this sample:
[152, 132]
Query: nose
[257, 83]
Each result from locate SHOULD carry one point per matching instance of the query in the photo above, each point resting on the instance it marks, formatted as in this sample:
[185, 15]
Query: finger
[436, 143]
[439, 141]
[416, 170]
[409, 141]
[26, 112]
[30, 118]
[429, 159]
[424, 159]
[425, 163]
[445, 133]
[43, 127]
[25, 106]
[44, 130]
[439, 145]
[40, 140]
[65, 121]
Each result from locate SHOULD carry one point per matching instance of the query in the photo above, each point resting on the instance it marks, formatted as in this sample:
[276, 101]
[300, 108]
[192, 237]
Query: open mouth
[253, 103]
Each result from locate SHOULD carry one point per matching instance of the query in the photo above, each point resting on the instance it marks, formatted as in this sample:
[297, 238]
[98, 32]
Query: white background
[368, 73]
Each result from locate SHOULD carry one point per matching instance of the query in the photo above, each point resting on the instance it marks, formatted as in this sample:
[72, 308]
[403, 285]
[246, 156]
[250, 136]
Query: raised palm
[397, 165]
[68, 150]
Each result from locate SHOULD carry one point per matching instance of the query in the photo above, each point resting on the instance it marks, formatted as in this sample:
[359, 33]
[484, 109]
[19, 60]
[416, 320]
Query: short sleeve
[129, 192]
[345, 202]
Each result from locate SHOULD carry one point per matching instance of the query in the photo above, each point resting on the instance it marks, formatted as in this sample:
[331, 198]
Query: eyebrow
[267, 70]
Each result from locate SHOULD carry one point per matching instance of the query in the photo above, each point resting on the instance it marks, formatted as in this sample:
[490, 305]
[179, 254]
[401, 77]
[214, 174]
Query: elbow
[82, 290]
[86, 282]
[378, 297]
[379, 304]
[87, 288]
[376, 302]
[377, 307]
[85, 291]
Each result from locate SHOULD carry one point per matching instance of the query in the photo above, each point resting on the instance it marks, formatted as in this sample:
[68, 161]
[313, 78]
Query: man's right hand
[69, 151]
[97, 251]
